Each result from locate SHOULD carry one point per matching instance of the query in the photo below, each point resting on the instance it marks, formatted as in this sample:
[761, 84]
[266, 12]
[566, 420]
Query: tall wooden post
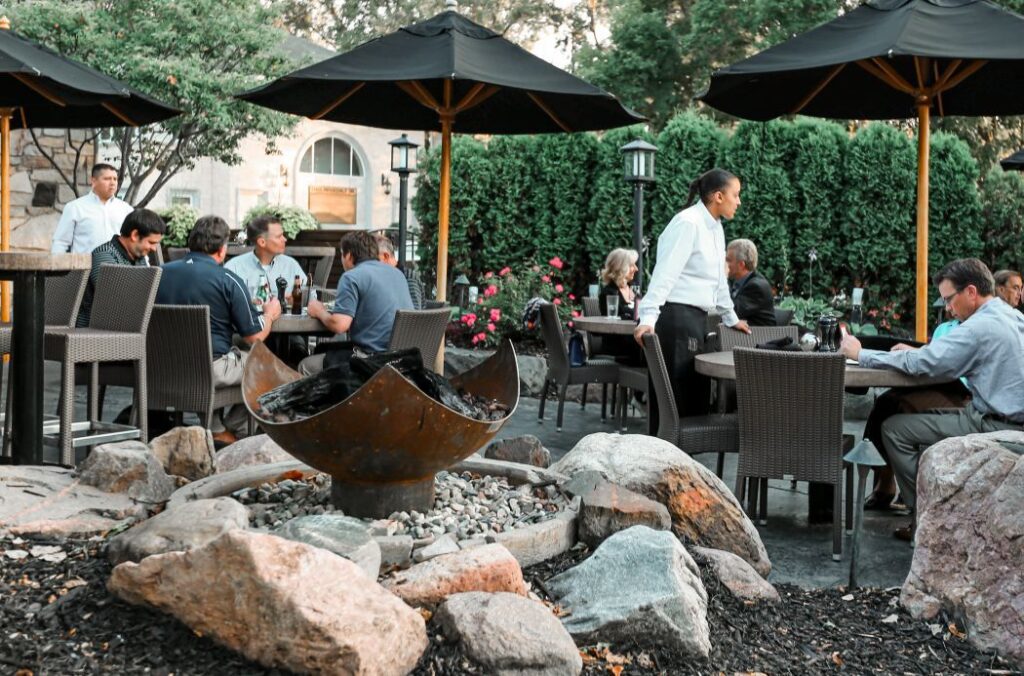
[921, 306]
[5, 205]
[444, 199]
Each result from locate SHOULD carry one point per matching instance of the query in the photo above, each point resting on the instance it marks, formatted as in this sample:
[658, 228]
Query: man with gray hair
[751, 293]
[386, 254]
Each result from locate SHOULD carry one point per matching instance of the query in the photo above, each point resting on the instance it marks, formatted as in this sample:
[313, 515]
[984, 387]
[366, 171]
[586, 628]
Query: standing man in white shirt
[94, 219]
[689, 280]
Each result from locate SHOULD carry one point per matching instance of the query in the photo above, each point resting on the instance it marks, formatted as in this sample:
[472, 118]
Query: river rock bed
[466, 506]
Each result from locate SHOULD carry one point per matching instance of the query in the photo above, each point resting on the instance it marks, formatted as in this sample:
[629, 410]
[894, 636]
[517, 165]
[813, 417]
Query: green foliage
[502, 298]
[954, 206]
[611, 199]
[1002, 219]
[759, 153]
[876, 237]
[192, 54]
[512, 232]
[179, 219]
[818, 150]
[689, 145]
[806, 311]
[294, 219]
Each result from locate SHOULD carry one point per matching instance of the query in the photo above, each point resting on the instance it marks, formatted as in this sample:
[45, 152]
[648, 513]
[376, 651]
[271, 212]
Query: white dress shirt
[690, 268]
[87, 222]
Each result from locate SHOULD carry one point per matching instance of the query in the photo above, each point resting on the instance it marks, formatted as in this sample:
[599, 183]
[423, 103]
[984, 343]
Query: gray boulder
[185, 452]
[640, 586]
[970, 539]
[181, 528]
[509, 635]
[703, 509]
[258, 449]
[736, 575]
[526, 449]
[127, 467]
[345, 536]
[608, 509]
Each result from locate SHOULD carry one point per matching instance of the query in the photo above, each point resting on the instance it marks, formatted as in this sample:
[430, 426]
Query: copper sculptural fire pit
[383, 445]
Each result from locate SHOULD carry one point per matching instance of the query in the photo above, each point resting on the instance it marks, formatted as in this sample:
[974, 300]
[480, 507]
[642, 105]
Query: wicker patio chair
[791, 423]
[116, 332]
[729, 339]
[434, 304]
[713, 433]
[592, 308]
[561, 374]
[175, 253]
[63, 299]
[420, 328]
[631, 379]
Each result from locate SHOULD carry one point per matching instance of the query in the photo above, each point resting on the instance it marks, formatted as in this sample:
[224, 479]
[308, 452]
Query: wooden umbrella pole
[5, 204]
[921, 306]
[444, 199]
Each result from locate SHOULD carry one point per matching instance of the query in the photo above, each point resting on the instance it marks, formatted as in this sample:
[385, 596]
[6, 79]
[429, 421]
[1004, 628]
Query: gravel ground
[56, 617]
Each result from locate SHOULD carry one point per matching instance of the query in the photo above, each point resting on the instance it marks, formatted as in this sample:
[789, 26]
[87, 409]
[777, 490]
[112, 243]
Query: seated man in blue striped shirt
[987, 348]
[141, 233]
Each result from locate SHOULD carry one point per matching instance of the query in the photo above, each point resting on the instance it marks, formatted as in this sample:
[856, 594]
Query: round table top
[16, 261]
[720, 365]
[606, 325]
[299, 324]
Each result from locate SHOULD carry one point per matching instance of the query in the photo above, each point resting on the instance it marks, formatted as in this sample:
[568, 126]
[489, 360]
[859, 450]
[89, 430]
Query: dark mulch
[58, 618]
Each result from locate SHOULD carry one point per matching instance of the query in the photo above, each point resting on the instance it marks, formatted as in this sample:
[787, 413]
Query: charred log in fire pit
[383, 443]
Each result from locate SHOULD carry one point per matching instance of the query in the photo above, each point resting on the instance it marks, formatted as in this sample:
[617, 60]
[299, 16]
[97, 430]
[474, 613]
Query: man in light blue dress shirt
[93, 219]
[987, 348]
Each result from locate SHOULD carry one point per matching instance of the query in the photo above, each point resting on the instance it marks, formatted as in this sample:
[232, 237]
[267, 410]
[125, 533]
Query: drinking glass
[612, 302]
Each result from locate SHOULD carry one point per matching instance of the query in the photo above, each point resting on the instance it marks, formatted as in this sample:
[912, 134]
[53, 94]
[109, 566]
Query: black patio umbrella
[457, 74]
[41, 88]
[1014, 162]
[888, 59]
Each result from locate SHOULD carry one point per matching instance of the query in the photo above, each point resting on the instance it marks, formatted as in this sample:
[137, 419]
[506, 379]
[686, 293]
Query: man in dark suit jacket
[751, 292]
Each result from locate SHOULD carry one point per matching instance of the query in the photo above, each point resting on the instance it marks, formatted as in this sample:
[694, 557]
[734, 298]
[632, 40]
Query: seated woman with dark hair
[616, 275]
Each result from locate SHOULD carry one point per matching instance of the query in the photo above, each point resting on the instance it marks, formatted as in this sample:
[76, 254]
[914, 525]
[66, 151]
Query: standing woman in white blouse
[689, 280]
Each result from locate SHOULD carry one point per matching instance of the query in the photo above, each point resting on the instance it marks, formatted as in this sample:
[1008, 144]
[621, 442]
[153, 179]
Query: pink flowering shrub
[498, 311]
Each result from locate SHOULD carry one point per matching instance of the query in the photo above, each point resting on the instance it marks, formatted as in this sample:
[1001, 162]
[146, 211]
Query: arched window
[331, 156]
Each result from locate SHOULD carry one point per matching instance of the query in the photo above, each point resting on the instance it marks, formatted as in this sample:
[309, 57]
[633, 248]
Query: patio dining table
[605, 325]
[300, 325]
[720, 365]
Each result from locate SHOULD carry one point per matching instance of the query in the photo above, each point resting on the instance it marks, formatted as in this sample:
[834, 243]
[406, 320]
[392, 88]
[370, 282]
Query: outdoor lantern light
[460, 291]
[403, 161]
[864, 456]
[639, 156]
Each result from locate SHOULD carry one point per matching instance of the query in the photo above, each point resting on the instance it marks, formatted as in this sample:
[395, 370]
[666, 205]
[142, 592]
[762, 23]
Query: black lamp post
[403, 161]
[639, 156]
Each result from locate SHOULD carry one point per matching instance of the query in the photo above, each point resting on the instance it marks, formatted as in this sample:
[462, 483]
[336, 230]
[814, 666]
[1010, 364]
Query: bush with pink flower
[503, 295]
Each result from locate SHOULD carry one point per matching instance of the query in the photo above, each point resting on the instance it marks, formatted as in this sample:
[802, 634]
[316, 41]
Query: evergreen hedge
[807, 185]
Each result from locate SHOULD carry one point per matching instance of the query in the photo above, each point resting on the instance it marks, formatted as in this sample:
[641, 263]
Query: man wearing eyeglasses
[986, 348]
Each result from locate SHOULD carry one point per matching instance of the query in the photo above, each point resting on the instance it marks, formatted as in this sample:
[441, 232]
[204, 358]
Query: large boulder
[127, 467]
[970, 539]
[736, 575]
[345, 536]
[509, 635]
[180, 528]
[283, 604]
[640, 586]
[527, 450]
[487, 568]
[703, 509]
[185, 451]
[607, 508]
[258, 449]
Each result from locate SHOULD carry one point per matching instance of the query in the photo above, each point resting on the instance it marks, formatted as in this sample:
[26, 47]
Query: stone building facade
[38, 192]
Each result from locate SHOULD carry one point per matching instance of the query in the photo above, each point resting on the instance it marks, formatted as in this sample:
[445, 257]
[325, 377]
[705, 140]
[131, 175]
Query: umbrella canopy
[1014, 162]
[41, 88]
[888, 59]
[455, 74]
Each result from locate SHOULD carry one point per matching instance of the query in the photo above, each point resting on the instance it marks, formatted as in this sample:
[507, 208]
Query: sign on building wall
[331, 204]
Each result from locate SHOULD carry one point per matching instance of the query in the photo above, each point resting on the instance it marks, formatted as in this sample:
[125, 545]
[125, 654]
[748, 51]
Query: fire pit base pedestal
[380, 500]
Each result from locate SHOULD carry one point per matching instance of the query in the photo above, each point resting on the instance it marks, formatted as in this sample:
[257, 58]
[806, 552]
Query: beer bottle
[297, 296]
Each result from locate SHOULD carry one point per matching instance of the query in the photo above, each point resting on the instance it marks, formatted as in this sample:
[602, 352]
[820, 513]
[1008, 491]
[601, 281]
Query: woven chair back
[591, 306]
[179, 357]
[64, 297]
[731, 338]
[554, 341]
[668, 414]
[790, 407]
[124, 298]
[420, 328]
